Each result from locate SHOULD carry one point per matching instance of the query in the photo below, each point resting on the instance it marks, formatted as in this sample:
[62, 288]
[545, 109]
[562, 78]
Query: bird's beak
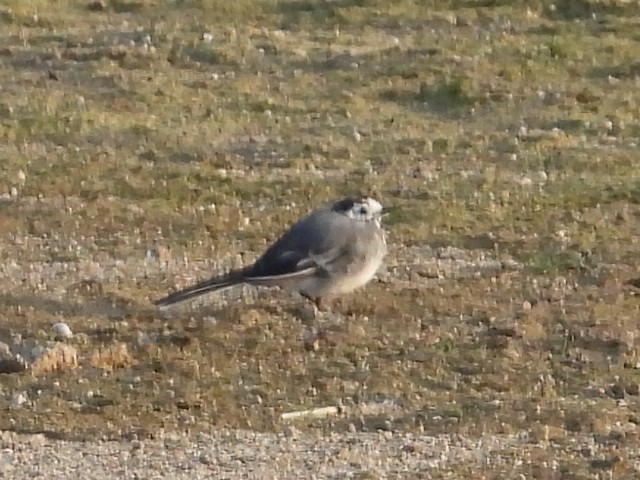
[387, 211]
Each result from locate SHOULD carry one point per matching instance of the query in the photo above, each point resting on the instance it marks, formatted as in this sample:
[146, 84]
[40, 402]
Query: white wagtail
[331, 251]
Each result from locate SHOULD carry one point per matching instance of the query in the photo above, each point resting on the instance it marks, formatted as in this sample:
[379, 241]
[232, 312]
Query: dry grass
[506, 133]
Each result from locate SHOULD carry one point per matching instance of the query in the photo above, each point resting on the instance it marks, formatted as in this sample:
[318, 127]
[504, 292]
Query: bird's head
[364, 209]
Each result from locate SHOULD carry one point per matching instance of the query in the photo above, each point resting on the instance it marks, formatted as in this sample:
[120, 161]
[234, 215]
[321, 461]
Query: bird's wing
[327, 260]
[293, 264]
[312, 246]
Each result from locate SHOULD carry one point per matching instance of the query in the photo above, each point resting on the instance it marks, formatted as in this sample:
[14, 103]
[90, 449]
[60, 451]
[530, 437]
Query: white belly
[364, 275]
[341, 283]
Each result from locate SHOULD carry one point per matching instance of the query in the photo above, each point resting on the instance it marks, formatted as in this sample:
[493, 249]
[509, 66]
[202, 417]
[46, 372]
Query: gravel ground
[230, 454]
[243, 454]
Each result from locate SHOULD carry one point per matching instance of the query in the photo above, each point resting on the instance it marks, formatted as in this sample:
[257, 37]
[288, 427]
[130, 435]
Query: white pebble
[542, 176]
[18, 399]
[525, 181]
[62, 330]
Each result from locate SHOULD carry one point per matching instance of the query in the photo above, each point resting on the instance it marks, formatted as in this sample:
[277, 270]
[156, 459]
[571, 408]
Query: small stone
[159, 253]
[300, 53]
[542, 176]
[290, 432]
[308, 314]
[440, 145]
[11, 364]
[62, 331]
[311, 340]
[615, 391]
[413, 448]
[37, 440]
[18, 399]
[524, 181]
[7, 464]
[384, 425]
[143, 338]
[132, 380]
[608, 463]
[137, 447]
[99, 6]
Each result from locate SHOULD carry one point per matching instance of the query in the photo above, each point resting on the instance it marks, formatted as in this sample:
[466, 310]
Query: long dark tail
[206, 286]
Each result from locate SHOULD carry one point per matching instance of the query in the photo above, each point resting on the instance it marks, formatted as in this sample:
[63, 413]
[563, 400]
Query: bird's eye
[363, 210]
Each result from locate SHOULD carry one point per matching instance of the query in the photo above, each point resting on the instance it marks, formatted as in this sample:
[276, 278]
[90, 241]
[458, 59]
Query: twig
[314, 412]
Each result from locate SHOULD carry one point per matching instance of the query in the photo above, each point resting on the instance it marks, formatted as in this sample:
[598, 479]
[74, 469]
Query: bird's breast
[367, 262]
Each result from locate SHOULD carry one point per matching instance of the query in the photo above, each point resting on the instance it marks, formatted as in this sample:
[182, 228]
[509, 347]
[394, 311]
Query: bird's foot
[320, 303]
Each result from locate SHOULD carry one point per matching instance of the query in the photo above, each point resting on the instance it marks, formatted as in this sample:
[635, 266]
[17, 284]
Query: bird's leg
[316, 333]
[313, 333]
[317, 307]
[317, 301]
[306, 312]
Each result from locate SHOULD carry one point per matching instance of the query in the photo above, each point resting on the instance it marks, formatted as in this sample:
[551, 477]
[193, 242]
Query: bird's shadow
[103, 311]
[231, 311]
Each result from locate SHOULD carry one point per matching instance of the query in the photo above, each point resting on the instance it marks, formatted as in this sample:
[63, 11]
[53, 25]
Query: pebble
[18, 399]
[62, 331]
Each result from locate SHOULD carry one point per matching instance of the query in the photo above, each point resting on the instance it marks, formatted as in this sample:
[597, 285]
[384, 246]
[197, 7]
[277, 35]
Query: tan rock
[112, 357]
[58, 357]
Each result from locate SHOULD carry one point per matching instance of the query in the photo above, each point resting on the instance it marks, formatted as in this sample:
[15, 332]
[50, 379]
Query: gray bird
[331, 251]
